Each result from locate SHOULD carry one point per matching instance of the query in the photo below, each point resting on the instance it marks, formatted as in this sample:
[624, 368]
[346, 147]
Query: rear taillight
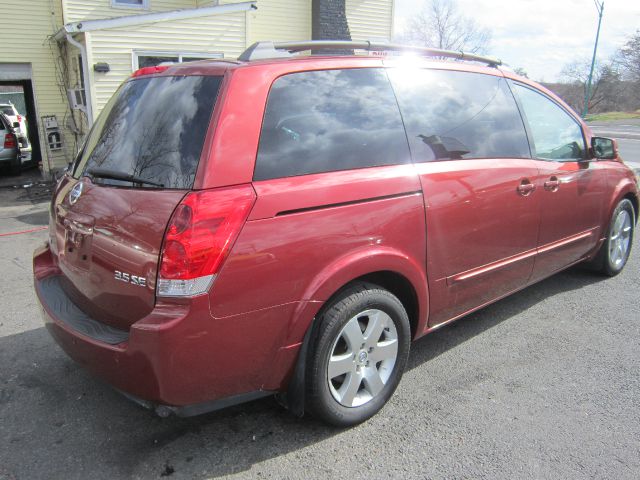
[10, 140]
[199, 236]
[19, 118]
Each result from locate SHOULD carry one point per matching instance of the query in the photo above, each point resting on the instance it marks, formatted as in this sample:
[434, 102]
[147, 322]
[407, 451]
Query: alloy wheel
[620, 239]
[362, 358]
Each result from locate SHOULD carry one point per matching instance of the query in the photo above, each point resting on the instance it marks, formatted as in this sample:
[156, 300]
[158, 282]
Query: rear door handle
[552, 185]
[526, 187]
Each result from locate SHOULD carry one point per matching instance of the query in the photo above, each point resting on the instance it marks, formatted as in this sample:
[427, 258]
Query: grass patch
[603, 117]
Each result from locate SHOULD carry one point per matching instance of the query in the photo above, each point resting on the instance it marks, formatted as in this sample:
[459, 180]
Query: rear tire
[16, 167]
[358, 355]
[614, 252]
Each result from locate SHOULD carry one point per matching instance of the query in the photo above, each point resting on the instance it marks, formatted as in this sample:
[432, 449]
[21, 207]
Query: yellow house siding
[80, 10]
[230, 34]
[28, 44]
[280, 20]
[370, 19]
[211, 34]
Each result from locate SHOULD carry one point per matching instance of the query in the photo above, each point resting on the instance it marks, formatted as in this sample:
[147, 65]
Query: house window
[130, 3]
[83, 94]
[151, 59]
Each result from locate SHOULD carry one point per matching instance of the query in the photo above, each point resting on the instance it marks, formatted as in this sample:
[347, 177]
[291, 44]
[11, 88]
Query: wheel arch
[634, 201]
[387, 267]
[390, 269]
[625, 189]
[401, 287]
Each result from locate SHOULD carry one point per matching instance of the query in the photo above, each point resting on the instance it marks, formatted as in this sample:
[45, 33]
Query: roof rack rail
[264, 50]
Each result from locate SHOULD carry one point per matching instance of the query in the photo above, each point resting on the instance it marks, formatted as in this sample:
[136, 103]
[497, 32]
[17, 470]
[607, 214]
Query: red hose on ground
[23, 231]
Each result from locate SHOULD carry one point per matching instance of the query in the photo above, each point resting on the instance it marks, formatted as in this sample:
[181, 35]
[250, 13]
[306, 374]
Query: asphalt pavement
[543, 384]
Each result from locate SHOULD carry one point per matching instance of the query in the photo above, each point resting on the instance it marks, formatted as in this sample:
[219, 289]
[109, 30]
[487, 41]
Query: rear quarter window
[453, 115]
[330, 120]
[153, 128]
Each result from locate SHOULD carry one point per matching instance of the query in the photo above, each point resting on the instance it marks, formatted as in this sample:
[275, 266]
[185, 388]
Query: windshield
[153, 129]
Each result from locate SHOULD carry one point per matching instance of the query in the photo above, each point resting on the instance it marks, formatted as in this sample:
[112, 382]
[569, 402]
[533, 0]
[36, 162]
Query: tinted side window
[330, 120]
[556, 135]
[453, 115]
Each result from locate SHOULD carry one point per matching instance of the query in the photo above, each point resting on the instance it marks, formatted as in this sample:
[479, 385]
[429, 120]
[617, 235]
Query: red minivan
[289, 224]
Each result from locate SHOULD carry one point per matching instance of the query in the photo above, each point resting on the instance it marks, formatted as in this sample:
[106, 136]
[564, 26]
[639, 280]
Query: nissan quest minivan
[287, 224]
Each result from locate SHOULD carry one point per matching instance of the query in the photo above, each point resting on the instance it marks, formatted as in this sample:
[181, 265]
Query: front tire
[614, 252]
[358, 355]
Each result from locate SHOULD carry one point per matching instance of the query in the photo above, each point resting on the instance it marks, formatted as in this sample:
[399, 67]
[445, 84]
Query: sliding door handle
[552, 185]
[526, 187]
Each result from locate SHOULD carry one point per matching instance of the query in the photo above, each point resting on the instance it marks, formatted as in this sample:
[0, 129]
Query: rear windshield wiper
[115, 175]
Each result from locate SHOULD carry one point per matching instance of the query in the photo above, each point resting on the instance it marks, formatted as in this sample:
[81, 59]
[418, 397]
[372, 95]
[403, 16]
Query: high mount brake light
[149, 70]
[200, 234]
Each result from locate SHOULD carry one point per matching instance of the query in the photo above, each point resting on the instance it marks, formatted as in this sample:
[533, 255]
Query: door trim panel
[565, 241]
[491, 267]
[474, 272]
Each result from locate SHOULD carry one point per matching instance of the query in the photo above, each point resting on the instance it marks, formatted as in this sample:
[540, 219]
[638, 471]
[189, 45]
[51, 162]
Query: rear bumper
[123, 364]
[8, 156]
[178, 357]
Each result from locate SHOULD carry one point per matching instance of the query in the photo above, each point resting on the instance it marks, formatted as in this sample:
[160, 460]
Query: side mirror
[60, 172]
[604, 148]
[16, 125]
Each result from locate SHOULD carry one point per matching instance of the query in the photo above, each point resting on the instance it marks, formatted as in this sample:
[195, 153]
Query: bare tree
[440, 25]
[615, 85]
[521, 71]
[607, 89]
[628, 57]
[628, 60]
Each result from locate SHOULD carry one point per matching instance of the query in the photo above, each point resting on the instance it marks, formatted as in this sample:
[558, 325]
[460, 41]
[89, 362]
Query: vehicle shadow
[456, 333]
[34, 218]
[59, 422]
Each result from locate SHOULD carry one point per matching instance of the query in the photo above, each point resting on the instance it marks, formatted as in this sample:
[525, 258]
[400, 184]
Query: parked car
[235, 229]
[9, 145]
[10, 111]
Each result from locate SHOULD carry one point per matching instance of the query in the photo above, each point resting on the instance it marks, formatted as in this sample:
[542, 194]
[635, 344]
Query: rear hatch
[110, 213]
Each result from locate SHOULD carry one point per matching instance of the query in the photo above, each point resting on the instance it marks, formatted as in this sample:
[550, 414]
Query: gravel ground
[543, 384]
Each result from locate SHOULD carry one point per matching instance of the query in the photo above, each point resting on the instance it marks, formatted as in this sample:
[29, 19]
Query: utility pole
[600, 8]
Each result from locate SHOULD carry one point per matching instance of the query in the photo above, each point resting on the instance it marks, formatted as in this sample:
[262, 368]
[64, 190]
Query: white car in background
[10, 111]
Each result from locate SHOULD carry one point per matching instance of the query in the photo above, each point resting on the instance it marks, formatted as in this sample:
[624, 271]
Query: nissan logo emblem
[75, 193]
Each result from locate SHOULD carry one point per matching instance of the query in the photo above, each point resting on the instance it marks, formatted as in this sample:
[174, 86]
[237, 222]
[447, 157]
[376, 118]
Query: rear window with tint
[330, 120]
[154, 129]
[453, 115]
[7, 110]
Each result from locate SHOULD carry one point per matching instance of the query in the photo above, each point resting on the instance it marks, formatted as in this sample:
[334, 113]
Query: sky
[541, 36]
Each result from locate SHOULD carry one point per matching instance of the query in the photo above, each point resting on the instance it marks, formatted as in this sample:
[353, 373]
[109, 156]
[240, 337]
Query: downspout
[85, 75]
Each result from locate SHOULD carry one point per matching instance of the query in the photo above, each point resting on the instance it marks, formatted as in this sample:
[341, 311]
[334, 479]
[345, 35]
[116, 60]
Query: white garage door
[15, 71]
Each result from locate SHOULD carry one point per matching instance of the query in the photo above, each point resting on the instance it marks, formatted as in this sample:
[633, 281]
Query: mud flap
[294, 398]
